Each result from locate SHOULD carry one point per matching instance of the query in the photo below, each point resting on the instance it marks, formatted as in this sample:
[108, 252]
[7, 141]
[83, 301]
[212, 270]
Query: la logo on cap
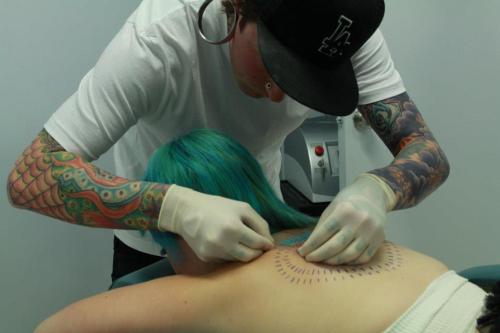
[335, 43]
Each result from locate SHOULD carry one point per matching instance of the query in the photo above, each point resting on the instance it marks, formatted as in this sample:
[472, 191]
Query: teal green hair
[212, 163]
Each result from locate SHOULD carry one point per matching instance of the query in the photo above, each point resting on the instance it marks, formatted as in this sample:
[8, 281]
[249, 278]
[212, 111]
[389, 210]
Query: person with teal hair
[398, 291]
[210, 162]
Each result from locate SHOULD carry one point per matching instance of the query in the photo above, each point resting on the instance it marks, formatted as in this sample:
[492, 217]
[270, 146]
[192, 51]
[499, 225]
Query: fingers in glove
[319, 236]
[350, 254]
[245, 254]
[369, 252]
[214, 251]
[332, 247]
[253, 240]
[255, 222]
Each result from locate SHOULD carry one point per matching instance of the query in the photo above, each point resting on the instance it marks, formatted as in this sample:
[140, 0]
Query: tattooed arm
[51, 181]
[420, 166]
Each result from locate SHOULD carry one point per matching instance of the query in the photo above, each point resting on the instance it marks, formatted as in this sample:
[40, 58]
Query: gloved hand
[351, 229]
[216, 228]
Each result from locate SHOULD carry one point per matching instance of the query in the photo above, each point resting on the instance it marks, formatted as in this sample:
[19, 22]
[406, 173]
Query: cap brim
[330, 91]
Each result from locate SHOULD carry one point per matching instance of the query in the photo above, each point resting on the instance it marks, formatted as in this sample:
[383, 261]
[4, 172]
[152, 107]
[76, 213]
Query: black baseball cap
[306, 46]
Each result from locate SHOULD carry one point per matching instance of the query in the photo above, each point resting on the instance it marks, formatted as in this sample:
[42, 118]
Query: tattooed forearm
[51, 181]
[420, 166]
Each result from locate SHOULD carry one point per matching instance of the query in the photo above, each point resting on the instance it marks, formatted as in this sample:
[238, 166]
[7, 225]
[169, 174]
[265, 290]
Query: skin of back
[278, 292]
[288, 294]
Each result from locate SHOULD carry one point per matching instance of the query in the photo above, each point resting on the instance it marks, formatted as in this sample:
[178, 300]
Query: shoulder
[377, 77]
[374, 49]
[151, 15]
[170, 27]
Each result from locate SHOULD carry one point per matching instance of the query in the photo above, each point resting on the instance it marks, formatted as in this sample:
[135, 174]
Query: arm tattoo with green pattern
[51, 181]
[420, 166]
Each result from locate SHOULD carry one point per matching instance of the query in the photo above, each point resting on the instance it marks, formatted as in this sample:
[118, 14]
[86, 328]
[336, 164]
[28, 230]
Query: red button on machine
[319, 150]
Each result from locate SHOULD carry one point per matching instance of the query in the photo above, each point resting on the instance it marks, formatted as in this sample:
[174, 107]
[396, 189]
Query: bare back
[278, 292]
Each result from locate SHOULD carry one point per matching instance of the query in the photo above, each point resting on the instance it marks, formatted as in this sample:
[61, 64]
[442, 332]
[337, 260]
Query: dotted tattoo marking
[297, 271]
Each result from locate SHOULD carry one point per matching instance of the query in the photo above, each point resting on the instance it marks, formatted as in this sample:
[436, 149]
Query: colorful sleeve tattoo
[51, 181]
[420, 166]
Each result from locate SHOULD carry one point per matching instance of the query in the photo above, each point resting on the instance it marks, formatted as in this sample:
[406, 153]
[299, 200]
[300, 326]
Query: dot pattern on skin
[297, 271]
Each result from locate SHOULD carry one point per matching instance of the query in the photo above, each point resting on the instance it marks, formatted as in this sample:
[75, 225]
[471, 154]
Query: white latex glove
[216, 228]
[352, 227]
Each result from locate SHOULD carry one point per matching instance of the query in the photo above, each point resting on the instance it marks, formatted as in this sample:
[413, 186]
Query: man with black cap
[161, 77]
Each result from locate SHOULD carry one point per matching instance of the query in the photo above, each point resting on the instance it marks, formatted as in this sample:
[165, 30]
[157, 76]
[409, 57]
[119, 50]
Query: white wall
[447, 51]
[45, 49]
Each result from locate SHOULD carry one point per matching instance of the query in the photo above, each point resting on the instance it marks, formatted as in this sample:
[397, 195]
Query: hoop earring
[231, 29]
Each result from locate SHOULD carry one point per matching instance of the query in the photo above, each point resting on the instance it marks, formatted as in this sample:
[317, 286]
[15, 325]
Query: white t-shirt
[158, 79]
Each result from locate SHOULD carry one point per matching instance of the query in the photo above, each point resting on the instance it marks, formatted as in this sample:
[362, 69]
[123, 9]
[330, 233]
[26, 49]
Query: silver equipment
[311, 164]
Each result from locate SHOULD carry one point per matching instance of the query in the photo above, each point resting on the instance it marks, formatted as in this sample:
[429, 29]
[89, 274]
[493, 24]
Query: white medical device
[310, 168]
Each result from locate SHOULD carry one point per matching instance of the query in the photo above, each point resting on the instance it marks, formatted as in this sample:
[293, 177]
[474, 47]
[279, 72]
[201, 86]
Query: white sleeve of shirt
[377, 77]
[128, 81]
